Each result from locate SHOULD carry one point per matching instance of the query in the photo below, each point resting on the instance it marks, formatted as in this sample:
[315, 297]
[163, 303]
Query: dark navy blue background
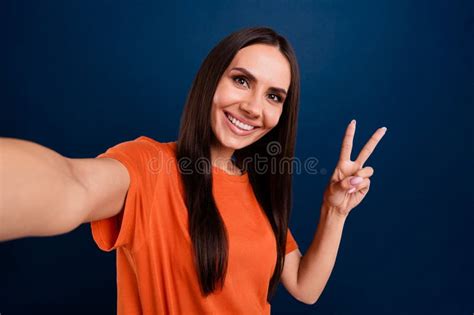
[81, 76]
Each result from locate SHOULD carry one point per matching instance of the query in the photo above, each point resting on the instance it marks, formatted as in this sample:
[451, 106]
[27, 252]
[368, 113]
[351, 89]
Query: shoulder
[157, 156]
[142, 154]
[145, 146]
[167, 148]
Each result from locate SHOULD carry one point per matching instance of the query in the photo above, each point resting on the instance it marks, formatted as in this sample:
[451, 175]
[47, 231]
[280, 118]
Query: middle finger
[370, 146]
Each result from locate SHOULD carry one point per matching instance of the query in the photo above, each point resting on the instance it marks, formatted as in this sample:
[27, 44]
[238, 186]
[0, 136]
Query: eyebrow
[252, 78]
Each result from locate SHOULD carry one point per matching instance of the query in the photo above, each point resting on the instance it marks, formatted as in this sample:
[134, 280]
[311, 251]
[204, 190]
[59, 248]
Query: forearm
[36, 184]
[318, 262]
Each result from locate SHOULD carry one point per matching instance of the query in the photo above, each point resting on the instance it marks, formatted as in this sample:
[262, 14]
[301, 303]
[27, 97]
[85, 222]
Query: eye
[276, 98]
[240, 79]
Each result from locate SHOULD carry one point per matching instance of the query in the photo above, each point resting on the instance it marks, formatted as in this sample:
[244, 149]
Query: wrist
[332, 214]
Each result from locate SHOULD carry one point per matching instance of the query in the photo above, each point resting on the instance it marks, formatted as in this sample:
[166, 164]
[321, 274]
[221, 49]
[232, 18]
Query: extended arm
[43, 193]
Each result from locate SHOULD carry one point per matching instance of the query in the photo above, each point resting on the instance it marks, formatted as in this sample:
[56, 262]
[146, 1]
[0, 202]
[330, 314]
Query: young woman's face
[249, 98]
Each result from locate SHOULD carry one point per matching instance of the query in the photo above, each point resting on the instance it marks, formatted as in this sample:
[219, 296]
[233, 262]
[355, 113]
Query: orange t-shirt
[155, 270]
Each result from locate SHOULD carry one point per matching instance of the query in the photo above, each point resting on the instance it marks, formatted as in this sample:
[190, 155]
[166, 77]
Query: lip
[235, 129]
[242, 119]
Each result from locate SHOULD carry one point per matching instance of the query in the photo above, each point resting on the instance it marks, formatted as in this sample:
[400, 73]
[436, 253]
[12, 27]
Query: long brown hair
[273, 190]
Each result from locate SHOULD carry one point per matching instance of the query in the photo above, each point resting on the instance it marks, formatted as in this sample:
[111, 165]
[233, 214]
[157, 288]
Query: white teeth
[240, 124]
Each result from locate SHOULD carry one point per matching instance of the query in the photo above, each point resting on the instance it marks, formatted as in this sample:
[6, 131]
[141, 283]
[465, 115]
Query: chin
[235, 144]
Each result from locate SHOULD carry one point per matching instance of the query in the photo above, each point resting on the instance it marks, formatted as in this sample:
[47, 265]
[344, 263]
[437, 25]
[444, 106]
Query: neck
[221, 157]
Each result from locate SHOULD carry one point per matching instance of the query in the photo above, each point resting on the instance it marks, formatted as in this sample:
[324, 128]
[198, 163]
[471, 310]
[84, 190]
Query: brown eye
[276, 98]
[240, 80]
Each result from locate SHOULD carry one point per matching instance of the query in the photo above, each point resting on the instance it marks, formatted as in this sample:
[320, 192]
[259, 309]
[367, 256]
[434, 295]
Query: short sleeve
[128, 228]
[291, 244]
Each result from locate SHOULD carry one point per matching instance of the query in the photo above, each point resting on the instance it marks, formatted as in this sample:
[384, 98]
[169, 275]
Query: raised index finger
[347, 142]
[369, 147]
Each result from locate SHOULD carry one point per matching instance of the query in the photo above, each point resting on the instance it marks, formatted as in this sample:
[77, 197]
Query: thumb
[350, 182]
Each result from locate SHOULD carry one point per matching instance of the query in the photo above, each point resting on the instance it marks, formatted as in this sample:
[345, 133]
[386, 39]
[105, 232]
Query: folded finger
[364, 184]
[365, 172]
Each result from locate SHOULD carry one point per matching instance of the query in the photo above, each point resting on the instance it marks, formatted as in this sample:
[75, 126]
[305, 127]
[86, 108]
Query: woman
[199, 227]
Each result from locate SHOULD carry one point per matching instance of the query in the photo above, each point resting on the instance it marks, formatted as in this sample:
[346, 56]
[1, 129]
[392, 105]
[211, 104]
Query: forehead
[266, 63]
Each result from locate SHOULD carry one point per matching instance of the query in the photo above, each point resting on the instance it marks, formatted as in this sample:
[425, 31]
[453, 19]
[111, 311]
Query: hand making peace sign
[350, 181]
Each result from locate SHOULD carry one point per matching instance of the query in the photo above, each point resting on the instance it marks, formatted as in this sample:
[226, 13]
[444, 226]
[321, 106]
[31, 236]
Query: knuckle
[346, 146]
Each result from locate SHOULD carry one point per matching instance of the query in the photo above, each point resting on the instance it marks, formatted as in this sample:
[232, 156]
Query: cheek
[226, 95]
[272, 116]
[217, 102]
[216, 99]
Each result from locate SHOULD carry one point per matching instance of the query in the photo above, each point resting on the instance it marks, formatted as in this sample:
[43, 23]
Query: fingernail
[351, 190]
[384, 129]
[356, 180]
[353, 121]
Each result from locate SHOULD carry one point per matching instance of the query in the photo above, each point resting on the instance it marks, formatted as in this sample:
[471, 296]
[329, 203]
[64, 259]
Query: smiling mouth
[238, 123]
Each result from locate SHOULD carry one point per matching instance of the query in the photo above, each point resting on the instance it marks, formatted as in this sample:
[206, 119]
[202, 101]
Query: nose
[252, 108]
